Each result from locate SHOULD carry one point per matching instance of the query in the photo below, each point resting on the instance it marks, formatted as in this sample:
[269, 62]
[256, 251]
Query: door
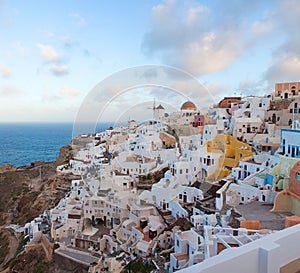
[184, 197]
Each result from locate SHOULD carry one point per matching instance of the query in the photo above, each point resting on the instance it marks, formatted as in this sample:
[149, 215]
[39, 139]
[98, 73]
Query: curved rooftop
[188, 105]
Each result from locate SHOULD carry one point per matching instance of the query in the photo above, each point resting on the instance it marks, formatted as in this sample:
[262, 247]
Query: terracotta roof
[146, 236]
[188, 105]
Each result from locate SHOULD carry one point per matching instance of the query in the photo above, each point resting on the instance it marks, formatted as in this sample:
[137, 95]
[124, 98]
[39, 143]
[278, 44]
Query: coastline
[23, 143]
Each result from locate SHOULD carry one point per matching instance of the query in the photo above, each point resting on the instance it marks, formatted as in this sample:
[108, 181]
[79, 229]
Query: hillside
[25, 193]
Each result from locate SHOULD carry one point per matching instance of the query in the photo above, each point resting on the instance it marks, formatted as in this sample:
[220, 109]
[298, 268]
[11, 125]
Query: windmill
[153, 109]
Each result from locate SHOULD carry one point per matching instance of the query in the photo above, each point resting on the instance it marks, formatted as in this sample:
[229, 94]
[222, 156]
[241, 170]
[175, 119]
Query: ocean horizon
[23, 143]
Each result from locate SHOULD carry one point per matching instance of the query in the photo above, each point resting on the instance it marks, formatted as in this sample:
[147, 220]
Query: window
[178, 243]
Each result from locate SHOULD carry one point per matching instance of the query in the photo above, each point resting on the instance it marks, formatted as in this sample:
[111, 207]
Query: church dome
[188, 105]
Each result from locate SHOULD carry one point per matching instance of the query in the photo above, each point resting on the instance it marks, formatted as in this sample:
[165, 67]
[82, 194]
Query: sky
[55, 54]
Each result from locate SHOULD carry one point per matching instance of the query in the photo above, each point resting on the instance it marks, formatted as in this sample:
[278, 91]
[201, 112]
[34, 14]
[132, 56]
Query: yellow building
[231, 150]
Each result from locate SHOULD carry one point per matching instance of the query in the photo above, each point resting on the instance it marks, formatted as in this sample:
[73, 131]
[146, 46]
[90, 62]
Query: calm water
[20, 143]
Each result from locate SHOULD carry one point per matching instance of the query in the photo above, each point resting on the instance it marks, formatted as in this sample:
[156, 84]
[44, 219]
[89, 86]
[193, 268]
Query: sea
[23, 143]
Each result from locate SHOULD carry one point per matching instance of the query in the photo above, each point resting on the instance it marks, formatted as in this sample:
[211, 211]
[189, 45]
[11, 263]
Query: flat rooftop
[261, 211]
[187, 235]
[181, 256]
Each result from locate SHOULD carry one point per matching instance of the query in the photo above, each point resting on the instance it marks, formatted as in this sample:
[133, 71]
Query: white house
[186, 245]
[274, 253]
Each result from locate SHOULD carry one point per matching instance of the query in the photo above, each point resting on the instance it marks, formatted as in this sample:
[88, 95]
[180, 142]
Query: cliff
[27, 192]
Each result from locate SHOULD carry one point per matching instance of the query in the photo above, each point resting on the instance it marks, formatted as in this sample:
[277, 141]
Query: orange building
[288, 200]
[228, 102]
[287, 90]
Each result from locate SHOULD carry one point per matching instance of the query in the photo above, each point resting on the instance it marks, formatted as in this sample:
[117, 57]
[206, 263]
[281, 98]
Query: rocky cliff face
[65, 154]
[25, 193]
[7, 167]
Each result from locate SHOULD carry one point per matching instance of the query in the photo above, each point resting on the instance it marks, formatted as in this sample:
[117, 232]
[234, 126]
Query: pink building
[199, 120]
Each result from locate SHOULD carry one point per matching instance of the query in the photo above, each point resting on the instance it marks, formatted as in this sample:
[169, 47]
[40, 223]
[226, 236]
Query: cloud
[8, 91]
[215, 88]
[289, 12]
[193, 14]
[69, 92]
[48, 53]
[211, 52]
[59, 70]
[206, 38]
[285, 63]
[284, 68]
[187, 36]
[80, 19]
[5, 71]
[262, 27]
